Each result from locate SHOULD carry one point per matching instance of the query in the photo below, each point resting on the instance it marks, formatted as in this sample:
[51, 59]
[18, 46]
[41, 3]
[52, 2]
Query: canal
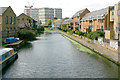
[55, 56]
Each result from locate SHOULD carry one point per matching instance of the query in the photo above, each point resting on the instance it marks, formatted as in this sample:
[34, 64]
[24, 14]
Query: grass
[80, 47]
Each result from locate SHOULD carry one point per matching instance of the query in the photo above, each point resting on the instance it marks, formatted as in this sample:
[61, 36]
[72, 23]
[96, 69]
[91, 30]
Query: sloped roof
[2, 10]
[24, 14]
[4, 50]
[98, 14]
[58, 23]
[78, 13]
[67, 21]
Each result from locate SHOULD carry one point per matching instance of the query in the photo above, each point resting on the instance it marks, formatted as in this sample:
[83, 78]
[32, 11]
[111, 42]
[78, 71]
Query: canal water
[55, 56]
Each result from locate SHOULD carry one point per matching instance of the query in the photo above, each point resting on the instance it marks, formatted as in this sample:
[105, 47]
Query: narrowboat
[7, 55]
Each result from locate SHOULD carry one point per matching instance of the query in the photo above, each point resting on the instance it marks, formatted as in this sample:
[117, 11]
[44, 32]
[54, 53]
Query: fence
[113, 45]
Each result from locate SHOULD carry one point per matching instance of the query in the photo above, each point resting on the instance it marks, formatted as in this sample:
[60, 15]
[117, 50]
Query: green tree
[27, 35]
[49, 22]
[66, 18]
[89, 30]
[40, 22]
[55, 18]
[41, 29]
[95, 34]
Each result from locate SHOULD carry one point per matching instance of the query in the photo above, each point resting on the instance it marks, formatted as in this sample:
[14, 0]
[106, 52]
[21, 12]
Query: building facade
[77, 17]
[113, 28]
[58, 13]
[44, 14]
[23, 21]
[96, 20]
[33, 13]
[67, 23]
[8, 22]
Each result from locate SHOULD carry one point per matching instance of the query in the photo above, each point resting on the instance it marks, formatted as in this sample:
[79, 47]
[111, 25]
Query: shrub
[95, 35]
[27, 35]
[80, 33]
[89, 30]
[71, 32]
[40, 29]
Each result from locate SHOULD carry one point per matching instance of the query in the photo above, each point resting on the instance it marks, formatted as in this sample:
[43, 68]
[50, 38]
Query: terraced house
[7, 22]
[77, 17]
[67, 23]
[96, 20]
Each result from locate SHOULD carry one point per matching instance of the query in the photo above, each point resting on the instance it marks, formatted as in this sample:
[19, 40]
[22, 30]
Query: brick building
[77, 17]
[113, 28]
[96, 20]
[7, 22]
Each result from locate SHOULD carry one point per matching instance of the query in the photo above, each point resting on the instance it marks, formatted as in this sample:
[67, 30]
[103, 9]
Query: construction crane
[30, 7]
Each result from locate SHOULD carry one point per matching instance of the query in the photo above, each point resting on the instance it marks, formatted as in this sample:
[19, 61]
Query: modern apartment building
[58, 13]
[7, 22]
[113, 28]
[33, 13]
[96, 20]
[44, 14]
[77, 17]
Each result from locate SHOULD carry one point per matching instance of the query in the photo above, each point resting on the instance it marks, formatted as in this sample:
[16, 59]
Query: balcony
[99, 29]
[117, 29]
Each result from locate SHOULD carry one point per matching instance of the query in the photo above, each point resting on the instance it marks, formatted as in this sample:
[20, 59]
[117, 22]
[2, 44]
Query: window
[10, 20]
[97, 27]
[80, 26]
[118, 12]
[14, 28]
[0, 58]
[13, 20]
[90, 21]
[112, 13]
[102, 27]
[6, 19]
[6, 55]
[10, 28]
[101, 20]
[18, 19]
[90, 27]
[3, 57]
[10, 53]
[7, 28]
[23, 19]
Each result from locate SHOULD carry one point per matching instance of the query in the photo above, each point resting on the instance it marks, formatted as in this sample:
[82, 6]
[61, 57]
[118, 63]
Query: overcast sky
[69, 7]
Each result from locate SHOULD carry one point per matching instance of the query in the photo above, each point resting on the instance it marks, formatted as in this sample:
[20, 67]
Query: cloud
[69, 6]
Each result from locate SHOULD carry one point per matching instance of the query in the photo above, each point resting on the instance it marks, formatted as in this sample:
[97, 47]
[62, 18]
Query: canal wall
[107, 53]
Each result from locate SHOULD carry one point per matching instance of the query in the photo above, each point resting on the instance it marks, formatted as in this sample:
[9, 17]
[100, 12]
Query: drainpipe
[108, 19]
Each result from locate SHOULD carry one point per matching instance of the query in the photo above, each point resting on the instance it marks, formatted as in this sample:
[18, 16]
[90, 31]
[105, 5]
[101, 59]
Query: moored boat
[7, 56]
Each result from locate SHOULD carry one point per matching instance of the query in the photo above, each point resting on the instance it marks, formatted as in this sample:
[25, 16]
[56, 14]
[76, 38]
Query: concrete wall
[116, 19]
[109, 34]
[114, 44]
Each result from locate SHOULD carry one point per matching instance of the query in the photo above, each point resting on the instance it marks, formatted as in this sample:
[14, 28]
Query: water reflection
[56, 57]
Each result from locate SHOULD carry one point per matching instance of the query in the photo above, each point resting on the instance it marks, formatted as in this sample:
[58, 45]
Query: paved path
[98, 48]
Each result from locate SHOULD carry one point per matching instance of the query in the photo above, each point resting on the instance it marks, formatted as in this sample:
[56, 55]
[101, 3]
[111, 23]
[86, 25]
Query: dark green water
[54, 56]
